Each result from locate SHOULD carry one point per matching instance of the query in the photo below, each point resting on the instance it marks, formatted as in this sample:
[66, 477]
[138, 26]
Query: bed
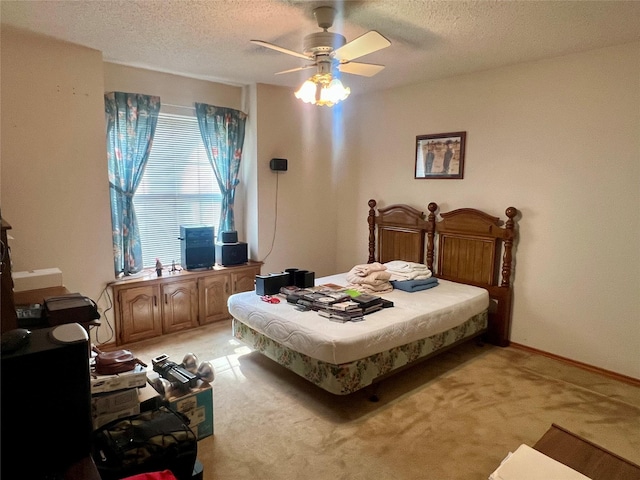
[469, 251]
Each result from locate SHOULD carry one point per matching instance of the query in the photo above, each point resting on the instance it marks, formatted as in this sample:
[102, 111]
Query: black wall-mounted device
[197, 246]
[278, 164]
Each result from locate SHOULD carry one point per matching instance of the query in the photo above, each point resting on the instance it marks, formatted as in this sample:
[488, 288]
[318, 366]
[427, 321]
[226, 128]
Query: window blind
[178, 187]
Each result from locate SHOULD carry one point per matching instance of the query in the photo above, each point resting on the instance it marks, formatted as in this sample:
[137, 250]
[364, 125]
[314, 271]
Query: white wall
[559, 140]
[55, 189]
[306, 209]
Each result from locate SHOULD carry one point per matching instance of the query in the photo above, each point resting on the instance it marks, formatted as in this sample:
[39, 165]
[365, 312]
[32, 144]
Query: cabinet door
[244, 280]
[179, 305]
[214, 291]
[139, 314]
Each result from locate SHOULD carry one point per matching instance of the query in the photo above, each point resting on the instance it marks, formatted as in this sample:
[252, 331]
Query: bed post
[371, 220]
[431, 220]
[511, 212]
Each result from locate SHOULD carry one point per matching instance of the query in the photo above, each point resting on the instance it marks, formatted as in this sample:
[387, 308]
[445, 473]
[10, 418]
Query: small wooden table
[585, 457]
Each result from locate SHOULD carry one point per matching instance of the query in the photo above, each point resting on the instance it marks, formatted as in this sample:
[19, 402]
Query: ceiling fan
[327, 50]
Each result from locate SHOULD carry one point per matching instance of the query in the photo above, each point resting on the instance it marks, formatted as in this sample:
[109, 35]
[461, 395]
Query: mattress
[415, 315]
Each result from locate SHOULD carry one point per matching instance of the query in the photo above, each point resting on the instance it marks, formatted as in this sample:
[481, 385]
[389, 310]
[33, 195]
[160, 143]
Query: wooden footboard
[463, 245]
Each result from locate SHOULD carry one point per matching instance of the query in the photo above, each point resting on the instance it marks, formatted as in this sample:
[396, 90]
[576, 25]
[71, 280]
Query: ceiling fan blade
[364, 69]
[281, 49]
[294, 69]
[365, 44]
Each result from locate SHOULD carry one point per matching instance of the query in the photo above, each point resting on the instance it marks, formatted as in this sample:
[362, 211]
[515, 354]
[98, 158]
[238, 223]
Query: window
[178, 187]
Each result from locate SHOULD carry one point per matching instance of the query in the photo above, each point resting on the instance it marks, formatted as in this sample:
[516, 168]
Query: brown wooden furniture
[150, 306]
[27, 297]
[584, 456]
[9, 319]
[469, 243]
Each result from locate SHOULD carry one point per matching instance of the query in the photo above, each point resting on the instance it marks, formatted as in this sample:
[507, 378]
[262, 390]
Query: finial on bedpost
[509, 227]
[371, 220]
[431, 219]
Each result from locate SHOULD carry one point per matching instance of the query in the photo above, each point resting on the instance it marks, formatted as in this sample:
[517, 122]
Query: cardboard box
[121, 381]
[148, 398]
[196, 404]
[110, 402]
[101, 420]
[36, 279]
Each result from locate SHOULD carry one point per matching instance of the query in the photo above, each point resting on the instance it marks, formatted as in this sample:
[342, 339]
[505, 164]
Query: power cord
[275, 221]
[105, 293]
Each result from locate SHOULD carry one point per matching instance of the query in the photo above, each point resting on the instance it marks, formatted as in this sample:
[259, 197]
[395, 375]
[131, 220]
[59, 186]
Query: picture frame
[440, 155]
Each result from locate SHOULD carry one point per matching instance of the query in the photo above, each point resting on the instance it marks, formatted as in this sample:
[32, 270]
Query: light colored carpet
[453, 417]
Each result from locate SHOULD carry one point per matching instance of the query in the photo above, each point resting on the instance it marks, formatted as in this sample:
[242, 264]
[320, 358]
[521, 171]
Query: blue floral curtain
[222, 131]
[131, 122]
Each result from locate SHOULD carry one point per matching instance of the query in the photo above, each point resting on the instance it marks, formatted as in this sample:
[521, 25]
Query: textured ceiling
[429, 39]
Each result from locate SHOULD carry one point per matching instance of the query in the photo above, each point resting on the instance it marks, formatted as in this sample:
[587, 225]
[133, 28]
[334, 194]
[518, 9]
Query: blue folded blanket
[415, 285]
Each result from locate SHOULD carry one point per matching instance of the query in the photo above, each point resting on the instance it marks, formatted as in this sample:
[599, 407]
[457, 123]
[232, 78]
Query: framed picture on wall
[440, 155]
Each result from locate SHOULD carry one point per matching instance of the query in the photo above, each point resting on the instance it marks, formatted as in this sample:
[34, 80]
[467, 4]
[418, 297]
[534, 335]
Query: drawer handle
[166, 300]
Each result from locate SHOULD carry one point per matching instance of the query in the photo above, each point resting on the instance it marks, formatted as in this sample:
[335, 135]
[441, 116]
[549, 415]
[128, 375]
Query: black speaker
[46, 403]
[232, 253]
[197, 247]
[278, 164]
[229, 237]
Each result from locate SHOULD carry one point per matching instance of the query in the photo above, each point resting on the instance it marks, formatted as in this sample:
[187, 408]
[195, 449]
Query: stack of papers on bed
[527, 463]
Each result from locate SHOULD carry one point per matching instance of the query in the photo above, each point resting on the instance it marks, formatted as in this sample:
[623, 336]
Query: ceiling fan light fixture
[307, 92]
[323, 90]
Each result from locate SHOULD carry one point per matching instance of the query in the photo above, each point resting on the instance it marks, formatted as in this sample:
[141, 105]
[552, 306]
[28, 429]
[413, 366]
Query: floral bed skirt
[350, 377]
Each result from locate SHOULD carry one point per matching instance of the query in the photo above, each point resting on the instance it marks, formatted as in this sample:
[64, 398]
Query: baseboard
[585, 366]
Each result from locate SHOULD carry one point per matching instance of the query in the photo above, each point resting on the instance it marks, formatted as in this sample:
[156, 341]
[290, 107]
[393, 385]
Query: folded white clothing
[374, 278]
[417, 275]
[365, 269]
[385, 287]
[402, 266]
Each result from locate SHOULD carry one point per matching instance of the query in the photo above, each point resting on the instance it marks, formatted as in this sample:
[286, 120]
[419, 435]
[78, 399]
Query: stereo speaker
[197, 247]
[229, 237]
[271, 284]
[46, 403]
[278, 164]
[232, 253]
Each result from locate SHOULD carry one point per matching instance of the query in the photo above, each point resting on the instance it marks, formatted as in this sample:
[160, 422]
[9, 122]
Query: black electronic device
[46, 403]
[229, 237]
[271, 284]
[197, 247]
[14, 340]
[178, 375]
[278, 164]
[232, 253]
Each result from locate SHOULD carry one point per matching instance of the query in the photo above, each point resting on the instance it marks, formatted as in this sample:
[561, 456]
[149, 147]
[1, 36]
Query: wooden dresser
[149, 306]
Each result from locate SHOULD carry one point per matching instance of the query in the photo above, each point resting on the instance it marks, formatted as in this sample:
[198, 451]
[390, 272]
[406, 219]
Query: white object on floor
[527, 463]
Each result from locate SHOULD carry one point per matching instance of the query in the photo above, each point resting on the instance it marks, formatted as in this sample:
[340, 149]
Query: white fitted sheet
[415, 315]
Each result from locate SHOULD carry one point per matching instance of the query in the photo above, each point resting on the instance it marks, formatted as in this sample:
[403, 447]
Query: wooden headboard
[468, 243]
